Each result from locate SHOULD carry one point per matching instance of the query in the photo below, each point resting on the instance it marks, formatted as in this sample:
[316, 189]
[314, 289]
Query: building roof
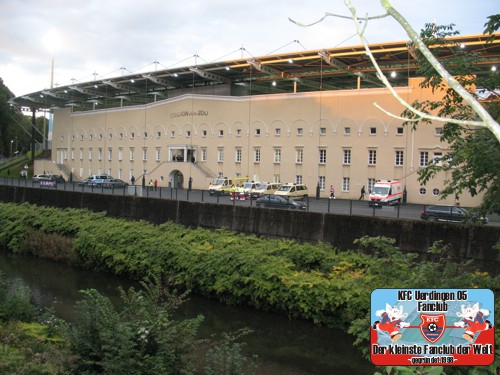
[337, 68]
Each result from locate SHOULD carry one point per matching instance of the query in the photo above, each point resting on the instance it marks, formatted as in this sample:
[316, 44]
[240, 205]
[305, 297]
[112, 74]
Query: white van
[265, 188]
[294, 191]
[386, 192]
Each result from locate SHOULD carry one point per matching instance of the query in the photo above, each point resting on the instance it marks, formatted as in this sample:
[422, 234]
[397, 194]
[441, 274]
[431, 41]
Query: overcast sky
[105, 36]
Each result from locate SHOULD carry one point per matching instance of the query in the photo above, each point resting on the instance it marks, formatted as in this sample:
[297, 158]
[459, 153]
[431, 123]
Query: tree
[474, 144]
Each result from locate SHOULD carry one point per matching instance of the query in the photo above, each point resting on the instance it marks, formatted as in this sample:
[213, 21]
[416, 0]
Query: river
[283, 346]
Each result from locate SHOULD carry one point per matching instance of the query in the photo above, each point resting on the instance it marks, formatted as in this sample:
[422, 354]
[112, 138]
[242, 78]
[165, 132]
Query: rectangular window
[372, 157]
[145, 153]
[90, 154]
[373, 131]
[300, 131]
[132, 156]
[145, 135]
[81, 154]
[72, 154]
[399, 158]
[132, 135]
[110, 153]
[299, 155]
[158, 154]
[220, 154]
[437, 158]
[322, 156]
[188, 134]
[238, 155]
[221, 133]
[347, 157]
[203, 154]
[277, 132]
[257, 132]
[256, 155]
[158, 135]
[347, 130]
[346, 184]
[424, 158]
[322, 131]
[371, 183]
[438, 131]
[238, 132]
[203, 133]
[120, 154]
[277, 155]
[99, 153]
[172, 134]
[276, 178]
[322, 182]
[298, 179]
[399, 130]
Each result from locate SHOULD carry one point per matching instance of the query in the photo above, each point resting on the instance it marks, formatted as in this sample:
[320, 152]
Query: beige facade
[334, 138]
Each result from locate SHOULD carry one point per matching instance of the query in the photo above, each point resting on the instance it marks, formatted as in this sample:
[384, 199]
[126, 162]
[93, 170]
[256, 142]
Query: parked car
[276, 201]
[39, 177]
[112, 183]
[295, 191]
[265, 188]
[93, 180]
[451, 214]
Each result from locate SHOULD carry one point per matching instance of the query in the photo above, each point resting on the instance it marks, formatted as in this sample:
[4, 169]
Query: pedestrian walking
[362, 196]
[332, 192]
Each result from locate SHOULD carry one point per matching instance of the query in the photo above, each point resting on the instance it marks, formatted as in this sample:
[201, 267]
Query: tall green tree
[472, 163]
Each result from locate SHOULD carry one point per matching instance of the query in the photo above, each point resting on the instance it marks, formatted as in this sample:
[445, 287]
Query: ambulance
[386, 192]
[223, 185]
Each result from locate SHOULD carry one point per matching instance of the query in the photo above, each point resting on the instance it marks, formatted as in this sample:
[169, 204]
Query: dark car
[276, 201]
[112, 183]
[451, 214]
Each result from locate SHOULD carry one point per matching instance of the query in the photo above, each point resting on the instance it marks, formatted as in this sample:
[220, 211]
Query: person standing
[150, 184]
[362, 196]
[132, 180]
[332, 192]
[155, 184]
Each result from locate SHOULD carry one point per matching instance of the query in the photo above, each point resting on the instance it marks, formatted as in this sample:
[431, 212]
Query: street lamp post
[11, 142]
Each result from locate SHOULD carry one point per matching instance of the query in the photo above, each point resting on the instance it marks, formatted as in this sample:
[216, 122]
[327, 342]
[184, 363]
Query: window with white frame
[399, 158]
[347, 157]
[110, 153]
[81, 137]
[437, 158]
[277, 132]
[346, 184]
[172, 134]
[90, 137]
[399, 130]
[220, 154]
[145, 135]
[188, 134]
[277, 155]
[322, 131]
[372, 157]
[322, 182]
[347, 130]
[121, 136]
[158, 135]
[221, 133]
[300, 131]
[438, 131]
[110, 136]
[203, 154]
[322, 156]
[100, 136]
[81, 154]
[298, 179]
[299, 155]
[131, 153]
[90, 154]
[120, 154]
[132, 135]
[204, 133]
[238, 155]
[144, 153]
[373, 131]
[256, 155]
[371, 183]
[238, 132]
[99, 153]
[424, 158]
[158, 153]
[276, 178]
[257, 132]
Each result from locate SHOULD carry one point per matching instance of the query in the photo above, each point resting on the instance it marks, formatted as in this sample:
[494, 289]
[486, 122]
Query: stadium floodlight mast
[52, 42]
[361, 22]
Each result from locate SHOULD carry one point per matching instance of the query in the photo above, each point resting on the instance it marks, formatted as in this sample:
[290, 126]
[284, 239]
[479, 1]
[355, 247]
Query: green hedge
[307, 281]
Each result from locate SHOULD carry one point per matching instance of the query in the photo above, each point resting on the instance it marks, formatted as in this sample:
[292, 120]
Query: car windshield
[380, 190]
[218, 182]
[247, 185]
[284, 188]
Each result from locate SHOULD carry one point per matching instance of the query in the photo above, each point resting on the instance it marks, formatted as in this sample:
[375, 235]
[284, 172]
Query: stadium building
[304, 117]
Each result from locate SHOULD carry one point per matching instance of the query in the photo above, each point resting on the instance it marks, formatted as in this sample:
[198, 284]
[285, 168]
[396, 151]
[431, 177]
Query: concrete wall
[474, 242]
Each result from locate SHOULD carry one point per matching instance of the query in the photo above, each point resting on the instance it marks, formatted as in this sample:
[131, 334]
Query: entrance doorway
[176, 179]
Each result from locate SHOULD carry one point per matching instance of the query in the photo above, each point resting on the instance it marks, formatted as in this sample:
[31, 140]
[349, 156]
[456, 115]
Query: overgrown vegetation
[306, 281]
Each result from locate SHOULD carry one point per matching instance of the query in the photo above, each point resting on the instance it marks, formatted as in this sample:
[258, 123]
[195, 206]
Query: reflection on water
[284, 347]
